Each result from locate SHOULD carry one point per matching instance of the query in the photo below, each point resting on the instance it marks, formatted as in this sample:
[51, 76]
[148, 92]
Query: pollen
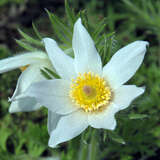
[90, 92]
[24, 68]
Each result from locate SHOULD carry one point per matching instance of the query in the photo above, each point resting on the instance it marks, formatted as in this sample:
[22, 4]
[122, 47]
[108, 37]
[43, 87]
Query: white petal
[21, 60]
[104, 119]
[68, 127]
[30, 75]
[26, 104]
[63, 63]
[124, 63]
[53, 94]
[125, 94]
[86, 56]
[53, 119]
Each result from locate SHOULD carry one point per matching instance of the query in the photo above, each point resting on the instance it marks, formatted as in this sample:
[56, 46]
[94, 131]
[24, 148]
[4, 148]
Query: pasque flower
[87, 93]
[30, 64]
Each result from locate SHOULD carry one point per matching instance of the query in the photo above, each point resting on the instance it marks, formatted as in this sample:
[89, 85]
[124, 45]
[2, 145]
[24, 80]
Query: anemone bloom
[30, 65]
[87, 93]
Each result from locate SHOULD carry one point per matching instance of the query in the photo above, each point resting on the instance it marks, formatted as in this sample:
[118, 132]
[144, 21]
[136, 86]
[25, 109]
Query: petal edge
[124, 63]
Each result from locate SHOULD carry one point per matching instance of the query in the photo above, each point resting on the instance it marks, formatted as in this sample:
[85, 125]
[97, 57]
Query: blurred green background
[25, 136]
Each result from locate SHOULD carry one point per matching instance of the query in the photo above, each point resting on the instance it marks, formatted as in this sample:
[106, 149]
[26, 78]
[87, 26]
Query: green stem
[93, 147]
[89, 151]
[83, 153]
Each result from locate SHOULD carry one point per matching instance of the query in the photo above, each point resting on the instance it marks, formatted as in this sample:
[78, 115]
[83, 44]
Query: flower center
[90, 92]
[24, 68]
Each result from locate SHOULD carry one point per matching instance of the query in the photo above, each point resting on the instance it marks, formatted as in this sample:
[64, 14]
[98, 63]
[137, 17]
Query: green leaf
[106, 47]
[70, 14]
[115, 137]
[100, 39]
[105, 136]
[45, 74]
[36, 31]
[4, 134]
[110, 48]
[137, 116]
[86, 135]
[100, 27]
[104, 55]
[133, 7]
[52, 73]
[26, 46]
[29, 39]
[35, 149]
[83, 15]
[61, 29]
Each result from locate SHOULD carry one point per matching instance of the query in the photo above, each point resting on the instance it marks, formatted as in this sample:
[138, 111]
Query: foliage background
[24, 135]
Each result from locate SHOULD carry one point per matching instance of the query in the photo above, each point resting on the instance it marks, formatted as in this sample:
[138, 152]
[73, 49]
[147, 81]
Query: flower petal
[104, 119]
[30, 75]
[125, 94]
[21, 60]
[26, 104]
[68, 127]
[53, 94]
[63, 63]
[124, 63]
[53, 119]
[86, 56]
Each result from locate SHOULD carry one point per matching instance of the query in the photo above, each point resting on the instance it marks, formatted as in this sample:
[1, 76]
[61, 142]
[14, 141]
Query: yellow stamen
[24, 68]
[90, 92]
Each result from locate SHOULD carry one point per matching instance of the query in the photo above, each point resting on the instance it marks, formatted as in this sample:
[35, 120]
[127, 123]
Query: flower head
[87, 94]
[30, 65]
[90, 92]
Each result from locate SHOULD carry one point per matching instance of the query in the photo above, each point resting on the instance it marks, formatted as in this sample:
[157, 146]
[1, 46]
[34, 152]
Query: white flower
[87, 94]
[30, 64]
